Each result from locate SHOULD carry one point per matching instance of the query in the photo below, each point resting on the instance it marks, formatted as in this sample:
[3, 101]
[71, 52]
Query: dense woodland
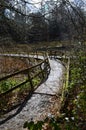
[25, 21]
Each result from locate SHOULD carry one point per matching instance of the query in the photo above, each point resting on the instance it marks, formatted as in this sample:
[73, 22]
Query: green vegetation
[75, 104]
[48, 124]
[17, 95]
[14, 97]
[36, 81]
[6, 85]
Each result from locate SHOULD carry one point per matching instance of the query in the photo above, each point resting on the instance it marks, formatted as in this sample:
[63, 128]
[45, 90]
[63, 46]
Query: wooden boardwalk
[44, 101]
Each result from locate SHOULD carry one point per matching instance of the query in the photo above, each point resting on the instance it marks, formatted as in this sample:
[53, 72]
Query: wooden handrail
[27, 71]
[22, 71]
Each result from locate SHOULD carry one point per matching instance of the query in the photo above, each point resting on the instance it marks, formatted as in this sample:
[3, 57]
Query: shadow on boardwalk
[18, 108]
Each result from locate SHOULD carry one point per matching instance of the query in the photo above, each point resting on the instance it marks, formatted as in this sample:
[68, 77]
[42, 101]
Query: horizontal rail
[45, 68]
[23, 71]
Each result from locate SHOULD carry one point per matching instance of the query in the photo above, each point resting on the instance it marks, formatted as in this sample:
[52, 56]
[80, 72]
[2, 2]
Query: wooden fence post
[41, 71]
[30, 80]
[37, 54]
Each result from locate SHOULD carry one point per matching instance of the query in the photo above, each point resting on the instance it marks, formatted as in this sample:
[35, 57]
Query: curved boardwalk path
[44, 101]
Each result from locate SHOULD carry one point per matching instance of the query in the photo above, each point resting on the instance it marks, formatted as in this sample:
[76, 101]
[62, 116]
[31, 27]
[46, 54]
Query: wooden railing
[40, 70]
[25, 78]
[43, 67]
[55, 53]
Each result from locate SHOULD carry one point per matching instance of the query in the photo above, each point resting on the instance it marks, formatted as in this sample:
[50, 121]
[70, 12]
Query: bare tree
[56, 19]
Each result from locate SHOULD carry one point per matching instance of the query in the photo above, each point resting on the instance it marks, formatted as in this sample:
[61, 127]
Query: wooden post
[46, 67]
[37, 54]
[30, 80]
[42, 71]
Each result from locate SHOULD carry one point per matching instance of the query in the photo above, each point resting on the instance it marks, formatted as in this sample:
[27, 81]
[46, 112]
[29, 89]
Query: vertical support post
[48, 66]
[37, 54]
[30, 80]
[42, 71]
